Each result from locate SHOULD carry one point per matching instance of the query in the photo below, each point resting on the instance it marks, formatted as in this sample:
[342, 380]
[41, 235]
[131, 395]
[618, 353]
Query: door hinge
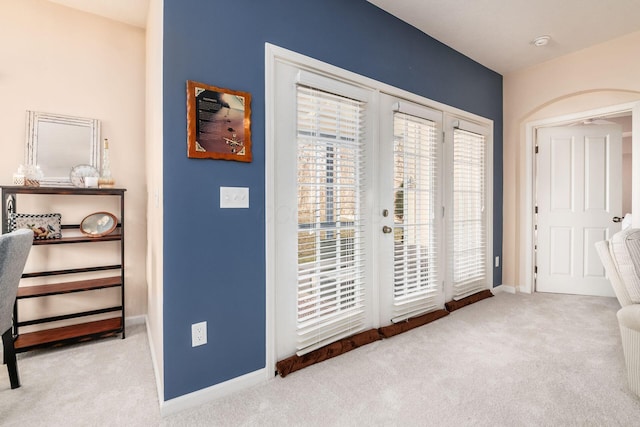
[536, 210]
[537, 149]
[443, 212]
[535, 269]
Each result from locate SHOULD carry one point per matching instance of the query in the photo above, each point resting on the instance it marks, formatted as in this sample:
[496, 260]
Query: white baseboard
[214, 392]
[154, 362]
[504, 288]
[136, 320]
[198, 397]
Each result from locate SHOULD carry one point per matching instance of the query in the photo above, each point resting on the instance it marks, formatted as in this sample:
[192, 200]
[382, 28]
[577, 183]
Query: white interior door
[579, 177]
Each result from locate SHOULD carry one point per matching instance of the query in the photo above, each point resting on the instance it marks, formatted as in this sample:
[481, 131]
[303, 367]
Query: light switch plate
[234, 197]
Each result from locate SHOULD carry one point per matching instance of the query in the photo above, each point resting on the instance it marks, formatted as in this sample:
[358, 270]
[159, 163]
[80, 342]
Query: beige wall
[59, 60]
[603, 75]
[154, 142]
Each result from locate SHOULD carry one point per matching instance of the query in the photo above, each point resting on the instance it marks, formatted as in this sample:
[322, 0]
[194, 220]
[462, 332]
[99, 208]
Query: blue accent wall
[214, 259]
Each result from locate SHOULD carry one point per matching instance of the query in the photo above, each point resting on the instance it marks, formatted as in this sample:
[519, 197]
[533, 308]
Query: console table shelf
[115, 236]
[89, 329]
[69, 334]
[68, 287]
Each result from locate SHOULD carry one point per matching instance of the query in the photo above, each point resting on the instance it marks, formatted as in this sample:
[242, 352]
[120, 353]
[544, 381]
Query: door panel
[596, 188]
[579, 176]
[592, 265]
[562, 190]
[561, 251]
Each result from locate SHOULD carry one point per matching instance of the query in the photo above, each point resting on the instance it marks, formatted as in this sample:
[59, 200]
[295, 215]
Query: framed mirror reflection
[57, 143]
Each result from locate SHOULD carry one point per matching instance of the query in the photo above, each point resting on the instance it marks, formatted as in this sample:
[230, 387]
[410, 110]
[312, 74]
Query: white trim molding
[136, 320]
[509, 289]
[206, 395]
[154, 361]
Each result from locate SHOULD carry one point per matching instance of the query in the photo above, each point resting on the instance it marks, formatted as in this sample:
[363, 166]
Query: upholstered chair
[621, 259]
[14, 250]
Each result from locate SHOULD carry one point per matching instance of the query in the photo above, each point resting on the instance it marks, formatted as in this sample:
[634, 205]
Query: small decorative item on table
[91, 182]
[44, 226]
[106, 180]
[80, 172]
[31, 182]
[28, 175]
[18, 176]
[98, 224]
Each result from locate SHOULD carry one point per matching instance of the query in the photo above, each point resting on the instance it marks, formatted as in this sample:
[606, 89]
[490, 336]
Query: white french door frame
[527, 198]
[275, 54]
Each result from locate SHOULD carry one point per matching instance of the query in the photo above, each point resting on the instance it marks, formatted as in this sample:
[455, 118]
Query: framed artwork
[218, 123]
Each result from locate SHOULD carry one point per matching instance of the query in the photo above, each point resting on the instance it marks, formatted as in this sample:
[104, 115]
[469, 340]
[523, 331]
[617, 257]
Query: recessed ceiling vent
[541, 41]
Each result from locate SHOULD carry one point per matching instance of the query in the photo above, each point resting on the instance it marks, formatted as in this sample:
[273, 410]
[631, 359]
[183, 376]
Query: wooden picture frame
[218, 123]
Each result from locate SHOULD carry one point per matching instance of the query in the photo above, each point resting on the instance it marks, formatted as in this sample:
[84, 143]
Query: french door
[467, 201]
[410, 191]
[363, 234]
[323, 204]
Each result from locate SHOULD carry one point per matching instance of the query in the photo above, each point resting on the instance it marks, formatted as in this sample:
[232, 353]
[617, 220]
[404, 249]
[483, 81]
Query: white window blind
[468, 219]
[330, 182]
[416, 184]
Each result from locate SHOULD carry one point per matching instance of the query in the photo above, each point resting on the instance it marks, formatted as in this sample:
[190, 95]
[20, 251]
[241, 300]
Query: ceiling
[132, 12]
[496, 33]
[499, 34]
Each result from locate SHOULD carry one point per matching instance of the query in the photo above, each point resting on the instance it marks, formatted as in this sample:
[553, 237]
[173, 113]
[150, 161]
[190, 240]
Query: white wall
[602, 75]
[59, 60]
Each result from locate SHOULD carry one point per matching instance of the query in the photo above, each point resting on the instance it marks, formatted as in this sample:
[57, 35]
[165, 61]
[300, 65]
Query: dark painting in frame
[218, 123]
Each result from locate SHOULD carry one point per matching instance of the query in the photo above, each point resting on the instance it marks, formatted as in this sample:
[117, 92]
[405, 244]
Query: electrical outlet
[198, 334]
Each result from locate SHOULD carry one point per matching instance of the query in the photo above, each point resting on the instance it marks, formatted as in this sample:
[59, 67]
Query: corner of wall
[154, 139]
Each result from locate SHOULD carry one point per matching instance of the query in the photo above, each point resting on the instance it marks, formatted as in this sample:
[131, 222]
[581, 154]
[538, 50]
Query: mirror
[98, 224]
[57, 143]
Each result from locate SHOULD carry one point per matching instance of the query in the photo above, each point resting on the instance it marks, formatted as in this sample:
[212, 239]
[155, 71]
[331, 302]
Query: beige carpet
[103, 383]
[512, 360]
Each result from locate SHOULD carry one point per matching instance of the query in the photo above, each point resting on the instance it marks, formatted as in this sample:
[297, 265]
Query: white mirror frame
[34, 118]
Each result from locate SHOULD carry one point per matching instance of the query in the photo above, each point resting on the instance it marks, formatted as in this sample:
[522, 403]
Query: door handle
[386, 229]
[616, 219]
